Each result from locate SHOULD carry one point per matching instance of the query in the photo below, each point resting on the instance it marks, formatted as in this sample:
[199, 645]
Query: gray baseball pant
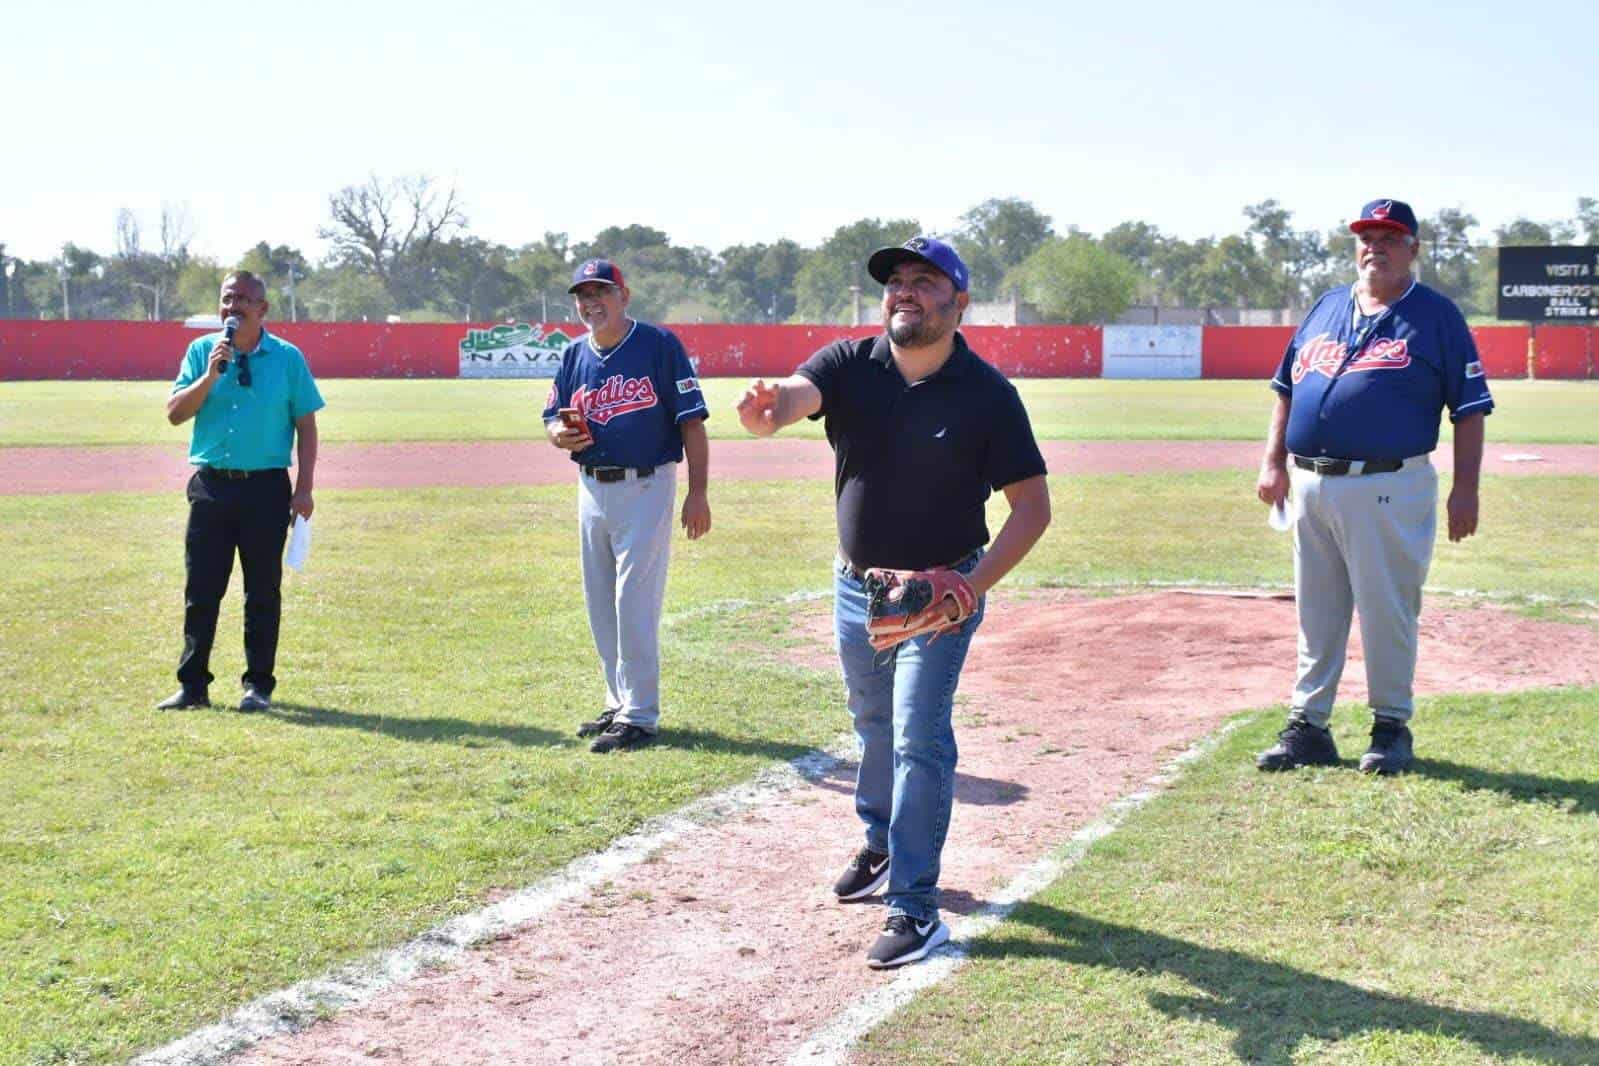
[625, 536]
[1361, 542]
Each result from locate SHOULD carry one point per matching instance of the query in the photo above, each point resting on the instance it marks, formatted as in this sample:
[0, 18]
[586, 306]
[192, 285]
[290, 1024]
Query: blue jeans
[902, 701]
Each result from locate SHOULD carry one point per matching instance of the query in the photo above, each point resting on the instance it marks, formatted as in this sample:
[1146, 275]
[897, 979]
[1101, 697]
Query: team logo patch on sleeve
[687, 385]
[1474, 369]
[554, 396]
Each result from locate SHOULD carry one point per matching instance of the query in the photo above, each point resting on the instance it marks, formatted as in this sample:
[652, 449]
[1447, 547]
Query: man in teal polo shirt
[249, 398]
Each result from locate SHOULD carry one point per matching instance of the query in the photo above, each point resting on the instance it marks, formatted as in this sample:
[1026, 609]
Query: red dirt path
[156, 468]
[727, 947]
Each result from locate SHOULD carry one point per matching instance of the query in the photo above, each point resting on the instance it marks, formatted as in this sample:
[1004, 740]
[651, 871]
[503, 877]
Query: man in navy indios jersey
[1359, 394]
[626, 404]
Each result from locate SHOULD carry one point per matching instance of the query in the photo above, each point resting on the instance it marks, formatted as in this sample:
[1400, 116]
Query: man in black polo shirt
[922, 432]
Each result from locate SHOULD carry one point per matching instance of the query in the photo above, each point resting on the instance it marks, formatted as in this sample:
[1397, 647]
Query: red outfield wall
[32, 350]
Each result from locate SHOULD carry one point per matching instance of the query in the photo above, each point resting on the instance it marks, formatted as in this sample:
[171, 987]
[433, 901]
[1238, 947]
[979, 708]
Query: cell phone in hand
[573, 419]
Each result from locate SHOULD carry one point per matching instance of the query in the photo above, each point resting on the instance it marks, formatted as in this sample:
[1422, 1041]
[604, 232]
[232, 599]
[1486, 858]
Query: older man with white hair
[1359, 394]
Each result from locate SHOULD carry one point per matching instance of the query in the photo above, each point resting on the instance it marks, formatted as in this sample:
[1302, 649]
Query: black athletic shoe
[253, 700]
[183, 700]
[620, 737]
[866, 873]
[1301, 744]
[1390, 751]
[905, 939]
[595, 726]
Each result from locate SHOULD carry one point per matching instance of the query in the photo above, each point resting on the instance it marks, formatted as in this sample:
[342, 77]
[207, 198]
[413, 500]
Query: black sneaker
[595, 726]
[905, 939]
[183, 700]
[621, 737]
[253, 700]
[1390, 751]
[1301, 744]
[866, 873]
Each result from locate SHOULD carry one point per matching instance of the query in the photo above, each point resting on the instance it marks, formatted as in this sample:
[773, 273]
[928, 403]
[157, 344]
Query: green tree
[1232, 274]
[145, 278]
[1291, 256]
[1449, 256]
[75, 285]
[198, 285]
[1073, 279]
[543, 270]
[755, 282]
[342, 292]
[1176, 265]
[474, 280]
[1588, 219]
[822, 286]
[996, 236]
[1526, 232]
[390, 229]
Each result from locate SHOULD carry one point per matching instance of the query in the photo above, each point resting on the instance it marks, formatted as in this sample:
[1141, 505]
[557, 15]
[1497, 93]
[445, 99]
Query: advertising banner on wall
[518, 350]
[1556, 284]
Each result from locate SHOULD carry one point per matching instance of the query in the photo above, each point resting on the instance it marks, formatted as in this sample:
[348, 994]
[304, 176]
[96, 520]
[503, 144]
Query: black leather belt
[237, 475]
[1339, 467]
[616, 473]
[860, 575]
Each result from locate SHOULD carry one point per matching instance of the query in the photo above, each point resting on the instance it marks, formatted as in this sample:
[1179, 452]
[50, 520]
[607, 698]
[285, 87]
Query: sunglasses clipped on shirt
[244, 368]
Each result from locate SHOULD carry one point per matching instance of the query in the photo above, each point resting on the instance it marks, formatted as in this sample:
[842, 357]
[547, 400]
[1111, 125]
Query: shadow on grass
[434, 730]
[1272, 1008]
[1582, 795]
[430, 729]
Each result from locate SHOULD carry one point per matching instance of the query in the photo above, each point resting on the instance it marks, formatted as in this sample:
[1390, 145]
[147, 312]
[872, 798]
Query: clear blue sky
[723, 122]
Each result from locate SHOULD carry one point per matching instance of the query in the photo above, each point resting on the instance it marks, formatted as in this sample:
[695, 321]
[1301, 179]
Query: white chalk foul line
[831, 1044]
[296, 1007]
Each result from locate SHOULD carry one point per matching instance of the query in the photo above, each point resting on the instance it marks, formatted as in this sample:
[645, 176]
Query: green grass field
[1446, 917]
[132, 412]
[157, 870]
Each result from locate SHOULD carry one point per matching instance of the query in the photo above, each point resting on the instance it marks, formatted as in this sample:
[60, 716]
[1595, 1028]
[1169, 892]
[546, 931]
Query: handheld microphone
[230, 326]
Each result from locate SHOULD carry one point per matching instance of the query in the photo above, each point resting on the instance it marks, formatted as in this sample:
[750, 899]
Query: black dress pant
[250, 516]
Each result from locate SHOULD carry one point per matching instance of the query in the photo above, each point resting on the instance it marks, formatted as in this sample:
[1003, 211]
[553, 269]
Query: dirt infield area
[726, 945]
[157, 468]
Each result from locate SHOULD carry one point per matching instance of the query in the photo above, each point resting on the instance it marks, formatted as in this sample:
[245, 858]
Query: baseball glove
[904, 604]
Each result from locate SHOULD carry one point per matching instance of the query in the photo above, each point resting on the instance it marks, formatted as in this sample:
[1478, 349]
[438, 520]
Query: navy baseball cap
[1386, 214]
[929, 250]
[601, 270]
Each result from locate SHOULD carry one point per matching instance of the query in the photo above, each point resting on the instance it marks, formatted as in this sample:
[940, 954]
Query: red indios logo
[1324, 353]
[618, 396]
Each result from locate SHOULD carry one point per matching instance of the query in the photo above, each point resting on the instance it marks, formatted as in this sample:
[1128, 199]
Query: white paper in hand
[1277, 518]
[299, 544]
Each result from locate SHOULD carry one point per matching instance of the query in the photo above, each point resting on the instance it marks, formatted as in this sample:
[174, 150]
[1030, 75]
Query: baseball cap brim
[571, 289]
[884, 260]
[1377, 223]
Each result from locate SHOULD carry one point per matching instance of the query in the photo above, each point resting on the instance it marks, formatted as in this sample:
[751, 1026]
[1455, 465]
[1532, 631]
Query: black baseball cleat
[866, 873]
[595, 726]
[1301, 744]
[253, 700]
[183, 700]
[1390, 751]
[904, 939]
[619, 736]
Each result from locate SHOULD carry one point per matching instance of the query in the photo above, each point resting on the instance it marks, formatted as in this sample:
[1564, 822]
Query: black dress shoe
[254, 701]
[182, 700]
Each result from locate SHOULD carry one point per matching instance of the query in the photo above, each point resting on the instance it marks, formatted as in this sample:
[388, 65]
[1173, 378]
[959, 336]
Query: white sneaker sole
[862, 893]
[936, 939]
